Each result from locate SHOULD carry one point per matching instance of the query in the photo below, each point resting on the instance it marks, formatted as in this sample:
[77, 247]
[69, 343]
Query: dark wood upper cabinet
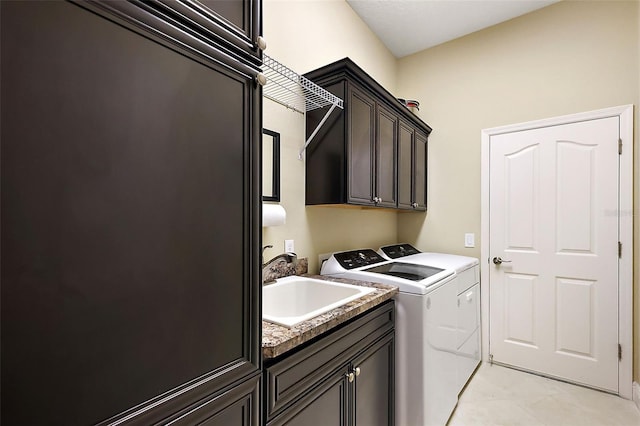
[366, 154]
[234, 25]
[130, 233]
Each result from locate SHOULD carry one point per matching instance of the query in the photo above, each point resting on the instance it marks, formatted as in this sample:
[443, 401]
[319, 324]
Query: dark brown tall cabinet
[374, 153]
[130, 226]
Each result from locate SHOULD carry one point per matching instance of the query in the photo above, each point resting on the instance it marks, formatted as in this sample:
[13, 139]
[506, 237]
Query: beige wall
[567, 58]
[305, 35]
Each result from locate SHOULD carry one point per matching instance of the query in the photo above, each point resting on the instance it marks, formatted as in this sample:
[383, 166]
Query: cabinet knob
[262, 79]
[357, 371]
[261, 43]
[350, 376]
[414, 205]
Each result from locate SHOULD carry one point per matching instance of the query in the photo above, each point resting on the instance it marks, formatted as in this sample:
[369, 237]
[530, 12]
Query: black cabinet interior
[130, 237]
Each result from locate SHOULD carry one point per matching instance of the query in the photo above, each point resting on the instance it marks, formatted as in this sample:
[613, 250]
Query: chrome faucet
[288, 257]
[282, 265]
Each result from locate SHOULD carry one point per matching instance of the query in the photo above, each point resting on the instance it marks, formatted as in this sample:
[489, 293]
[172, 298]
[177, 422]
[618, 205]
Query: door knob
[498, 261]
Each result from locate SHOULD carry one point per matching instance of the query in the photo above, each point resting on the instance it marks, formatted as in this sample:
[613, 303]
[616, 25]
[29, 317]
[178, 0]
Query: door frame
[625, 229]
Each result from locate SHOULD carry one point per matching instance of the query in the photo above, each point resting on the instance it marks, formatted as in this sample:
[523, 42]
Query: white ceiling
[409, 26]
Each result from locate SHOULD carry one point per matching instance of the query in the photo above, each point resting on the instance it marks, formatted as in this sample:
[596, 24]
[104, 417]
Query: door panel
[420, 172]
[521, 189]
[114, 285]
[361, 147]
[374, 385]
[519, 309]
[575, 305]
[575, 219]
[554, 306]
[326, 405]
[387, 135]
[232, 23]
[405, 166]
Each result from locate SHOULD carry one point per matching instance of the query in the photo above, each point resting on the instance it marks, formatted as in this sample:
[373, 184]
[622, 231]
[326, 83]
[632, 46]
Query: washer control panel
[399, 250]
[358, 258]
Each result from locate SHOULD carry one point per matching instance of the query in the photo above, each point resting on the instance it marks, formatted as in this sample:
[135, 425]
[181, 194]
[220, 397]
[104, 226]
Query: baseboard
[636, 394]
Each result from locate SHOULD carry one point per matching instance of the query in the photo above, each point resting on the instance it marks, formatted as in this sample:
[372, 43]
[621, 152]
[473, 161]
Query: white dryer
[467, 271]
[426, 373]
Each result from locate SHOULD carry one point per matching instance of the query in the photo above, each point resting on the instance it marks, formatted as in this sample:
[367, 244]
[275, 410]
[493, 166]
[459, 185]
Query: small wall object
[410, 104]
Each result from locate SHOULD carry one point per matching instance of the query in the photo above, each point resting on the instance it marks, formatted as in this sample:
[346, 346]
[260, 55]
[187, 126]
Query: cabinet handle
[350, 376]
[262, 79]
[357, 370]
[261, 43]
[414, 205]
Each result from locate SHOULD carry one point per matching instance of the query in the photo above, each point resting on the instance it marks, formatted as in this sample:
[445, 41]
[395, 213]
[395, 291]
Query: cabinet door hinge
[619, 250]
[619, 352]
[619, 146]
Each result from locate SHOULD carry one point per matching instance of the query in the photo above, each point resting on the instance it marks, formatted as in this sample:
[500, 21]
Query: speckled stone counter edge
[276, 339]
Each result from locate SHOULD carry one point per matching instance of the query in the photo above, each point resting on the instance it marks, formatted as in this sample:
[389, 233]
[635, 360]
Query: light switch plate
[288, 246]
[469, 240]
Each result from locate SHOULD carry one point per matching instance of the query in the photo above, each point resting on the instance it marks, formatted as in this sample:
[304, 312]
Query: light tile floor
[502, 396]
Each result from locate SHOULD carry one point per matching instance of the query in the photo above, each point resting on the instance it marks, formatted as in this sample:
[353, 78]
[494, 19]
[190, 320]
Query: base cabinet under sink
[344, 378]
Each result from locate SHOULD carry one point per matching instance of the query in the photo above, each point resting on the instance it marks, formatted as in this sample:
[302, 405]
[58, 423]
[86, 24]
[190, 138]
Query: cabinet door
[360, 147]
[128, 270]
[420, 172]
[326, 405]
[232, 23]
[374, 385]
[239, 406]
[405, 166]
[385, 171]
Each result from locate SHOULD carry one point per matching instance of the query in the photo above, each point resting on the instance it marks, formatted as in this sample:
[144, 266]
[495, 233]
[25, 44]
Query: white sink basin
[292, 300]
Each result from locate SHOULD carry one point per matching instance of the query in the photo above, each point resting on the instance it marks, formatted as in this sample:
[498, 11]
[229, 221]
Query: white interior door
[553, 220]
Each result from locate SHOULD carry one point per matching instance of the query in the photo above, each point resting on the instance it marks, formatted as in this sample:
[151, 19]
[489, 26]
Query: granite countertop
[277, 339]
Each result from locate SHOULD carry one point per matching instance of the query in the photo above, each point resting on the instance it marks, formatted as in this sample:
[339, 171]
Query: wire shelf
[294, 91]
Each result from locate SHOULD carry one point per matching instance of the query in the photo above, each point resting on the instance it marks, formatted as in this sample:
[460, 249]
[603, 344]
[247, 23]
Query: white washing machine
[426, 373]
[467, 271]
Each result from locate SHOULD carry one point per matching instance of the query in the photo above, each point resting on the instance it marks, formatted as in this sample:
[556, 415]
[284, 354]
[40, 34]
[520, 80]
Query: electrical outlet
[288, 246]
[469, 240]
